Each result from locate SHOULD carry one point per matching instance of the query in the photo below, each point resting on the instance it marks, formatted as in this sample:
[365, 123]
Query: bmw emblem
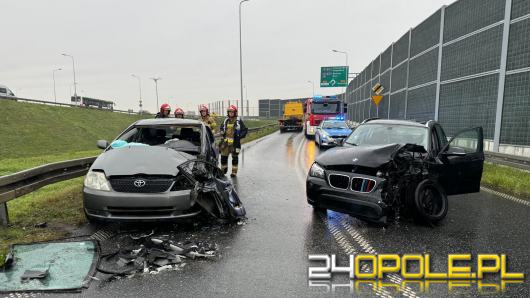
[355, 159]
[139, 183]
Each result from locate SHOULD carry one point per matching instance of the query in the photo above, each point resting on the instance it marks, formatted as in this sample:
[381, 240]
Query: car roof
[396, 122]
[168, 121]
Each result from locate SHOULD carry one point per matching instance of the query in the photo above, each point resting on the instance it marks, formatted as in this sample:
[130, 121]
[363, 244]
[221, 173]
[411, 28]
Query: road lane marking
[367, 248]
[349, 249]
[505, 196]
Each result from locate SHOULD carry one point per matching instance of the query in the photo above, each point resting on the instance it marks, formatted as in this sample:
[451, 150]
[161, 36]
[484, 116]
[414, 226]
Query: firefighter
[179, 113]
[232, 131]
[206, 118]
[165, 111]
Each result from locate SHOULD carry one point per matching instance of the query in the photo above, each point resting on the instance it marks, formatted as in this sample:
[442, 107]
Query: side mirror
[102, 144]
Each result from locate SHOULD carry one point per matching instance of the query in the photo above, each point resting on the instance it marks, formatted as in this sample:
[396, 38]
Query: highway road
[268, 255]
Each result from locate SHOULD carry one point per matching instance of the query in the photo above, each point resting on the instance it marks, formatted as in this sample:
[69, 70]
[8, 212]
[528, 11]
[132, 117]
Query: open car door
[463, 159]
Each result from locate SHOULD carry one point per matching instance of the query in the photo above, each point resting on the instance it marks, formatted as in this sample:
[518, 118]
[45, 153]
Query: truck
[293, 115]
[320, 108]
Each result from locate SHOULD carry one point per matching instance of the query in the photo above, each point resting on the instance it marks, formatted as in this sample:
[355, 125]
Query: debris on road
[152, 255]
[41, 225]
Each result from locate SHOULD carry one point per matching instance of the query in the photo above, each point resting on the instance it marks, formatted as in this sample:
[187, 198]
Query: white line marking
[505, 196]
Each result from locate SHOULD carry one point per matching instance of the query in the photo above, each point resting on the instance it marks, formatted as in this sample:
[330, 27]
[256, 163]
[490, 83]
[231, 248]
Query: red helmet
[232, 108]
[164, 107]
[179, 111]
[204, 108]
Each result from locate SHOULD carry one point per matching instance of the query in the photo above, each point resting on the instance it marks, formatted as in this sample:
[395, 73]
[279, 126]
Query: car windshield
[181, 138]
[325, 108]
[335, 125]
[384, 134]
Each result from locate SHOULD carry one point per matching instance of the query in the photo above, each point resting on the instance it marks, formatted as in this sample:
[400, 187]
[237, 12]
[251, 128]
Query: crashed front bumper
[118, 206]
[368, 206]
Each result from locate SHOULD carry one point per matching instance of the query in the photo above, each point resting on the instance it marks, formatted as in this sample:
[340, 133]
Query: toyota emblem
[139, 183]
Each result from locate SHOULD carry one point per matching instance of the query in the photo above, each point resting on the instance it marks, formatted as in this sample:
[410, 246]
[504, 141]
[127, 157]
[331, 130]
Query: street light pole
[156, 79]
[140, 89]
[312, 84]
[241, 55]
[347, 72]
[55, 92]
[75, 82]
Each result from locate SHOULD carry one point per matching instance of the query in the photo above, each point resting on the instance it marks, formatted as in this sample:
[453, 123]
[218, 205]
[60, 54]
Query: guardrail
[24, 182]
[515, 161]
[53, 103]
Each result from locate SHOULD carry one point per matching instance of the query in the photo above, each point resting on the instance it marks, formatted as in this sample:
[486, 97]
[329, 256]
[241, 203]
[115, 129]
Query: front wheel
[431, 201]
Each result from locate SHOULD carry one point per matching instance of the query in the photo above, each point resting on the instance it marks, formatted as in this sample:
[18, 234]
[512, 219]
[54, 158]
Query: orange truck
[293, 115]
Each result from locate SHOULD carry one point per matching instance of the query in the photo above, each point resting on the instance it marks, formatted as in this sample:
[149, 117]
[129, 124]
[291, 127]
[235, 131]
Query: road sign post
[334, 76]
[4, 217]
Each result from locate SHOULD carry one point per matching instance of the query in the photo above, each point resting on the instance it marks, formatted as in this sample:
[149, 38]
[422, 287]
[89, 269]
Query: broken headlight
[97, 181]
[317, 171]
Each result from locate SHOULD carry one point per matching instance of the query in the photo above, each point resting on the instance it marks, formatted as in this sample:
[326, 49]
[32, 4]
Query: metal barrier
[52, 103]
[24, 182]
[519, 162]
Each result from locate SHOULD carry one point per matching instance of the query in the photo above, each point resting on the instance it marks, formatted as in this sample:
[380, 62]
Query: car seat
[160, 136]
[188, 134]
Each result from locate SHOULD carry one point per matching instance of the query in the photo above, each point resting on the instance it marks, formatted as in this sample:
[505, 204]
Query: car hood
[364, 156]
[133, 160]
[337, 132]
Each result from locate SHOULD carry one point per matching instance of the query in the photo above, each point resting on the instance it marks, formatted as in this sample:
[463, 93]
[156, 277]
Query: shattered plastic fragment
[141, 235]
[34, 274]
[164, 268]
[161, 262]
[41, 225]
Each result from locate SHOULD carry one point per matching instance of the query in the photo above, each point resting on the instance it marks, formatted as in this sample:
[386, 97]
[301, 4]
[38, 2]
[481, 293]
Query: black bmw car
[389, 166]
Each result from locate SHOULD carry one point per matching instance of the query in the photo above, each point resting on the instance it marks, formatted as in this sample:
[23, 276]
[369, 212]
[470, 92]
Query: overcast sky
[193, 45]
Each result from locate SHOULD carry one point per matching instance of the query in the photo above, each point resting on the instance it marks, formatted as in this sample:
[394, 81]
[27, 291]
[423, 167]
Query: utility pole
[156, 79]
[241, 55]
[54, 91]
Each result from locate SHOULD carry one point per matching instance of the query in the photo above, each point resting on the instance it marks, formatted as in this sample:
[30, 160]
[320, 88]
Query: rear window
[3, 90]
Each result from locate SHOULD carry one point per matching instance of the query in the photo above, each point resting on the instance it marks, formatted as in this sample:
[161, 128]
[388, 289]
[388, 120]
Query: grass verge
[507, 180]
[59, 205]
[13, 165]
[259, 134]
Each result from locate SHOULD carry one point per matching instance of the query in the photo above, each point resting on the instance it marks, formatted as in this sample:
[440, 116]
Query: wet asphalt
[267, 256]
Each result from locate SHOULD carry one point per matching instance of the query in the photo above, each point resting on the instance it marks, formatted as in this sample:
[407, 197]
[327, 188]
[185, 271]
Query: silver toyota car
[136, 177]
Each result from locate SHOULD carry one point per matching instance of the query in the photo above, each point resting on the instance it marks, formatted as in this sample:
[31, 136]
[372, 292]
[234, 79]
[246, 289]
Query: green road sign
[334, 76]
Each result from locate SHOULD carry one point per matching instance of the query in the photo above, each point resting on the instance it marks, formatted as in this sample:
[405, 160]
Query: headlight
[97, 180]
[317, 171]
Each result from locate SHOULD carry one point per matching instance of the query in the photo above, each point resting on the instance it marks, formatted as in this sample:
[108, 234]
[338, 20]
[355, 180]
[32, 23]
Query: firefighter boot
[224, 164]
[235, 162]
